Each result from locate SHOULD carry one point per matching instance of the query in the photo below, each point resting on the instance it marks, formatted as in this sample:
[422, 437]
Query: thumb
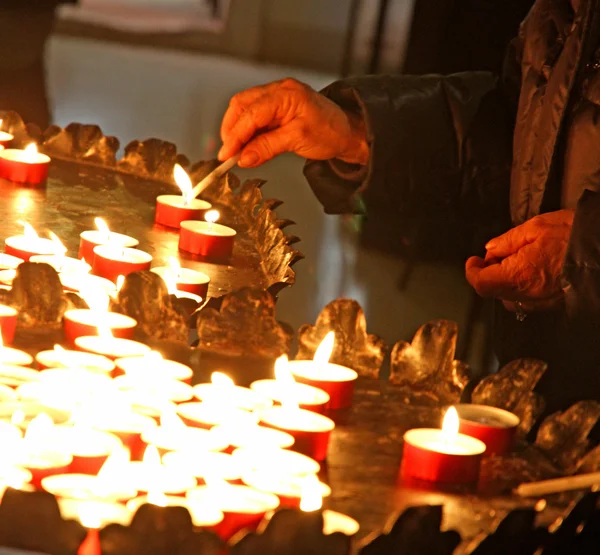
[264, 147]
[510, 242]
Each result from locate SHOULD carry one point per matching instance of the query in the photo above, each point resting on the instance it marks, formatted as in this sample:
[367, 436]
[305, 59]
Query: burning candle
[185, 279]
[15, 376]
[284, 386]
[169, 390]
[442, 455]
[223, 387]
[276, 461]
[9, 262]
[211, 413]
[312, 500]
[310, 430]
[30, 244]
[151, 475]
[171, 210]
[152, 366]
[77, 282]
[82, 322]
[172, 289]
[200, 464]
[174, 435]
[203, 515]
[207, 238]
[289, 489]
[13, 357]
[253, 436]
[8, 323]
[107, 345]
[63, 358]
[497, 428]
[5, 138]
[62, 264]
[110, 262]
[24, 165]
[91, 239]
[94, 514]
[338, 381]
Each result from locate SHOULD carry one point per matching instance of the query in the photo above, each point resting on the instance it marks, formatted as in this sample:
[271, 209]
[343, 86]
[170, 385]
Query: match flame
[212, 216]
[97, 299]
[120, 282]
[184, 183]
[170, 420]
[221, 380]
[151, 456]
[311, 499]
[157, 498]
[28, 232]
[59, 247]
[324, 350]
[17, 418]
[31, 150]
[39, 428]
[102, 228]
[286, 381]
[450, 424]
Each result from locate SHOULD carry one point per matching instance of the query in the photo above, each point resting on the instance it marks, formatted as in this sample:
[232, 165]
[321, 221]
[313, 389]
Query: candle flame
[97, 299]
[450, 424]
[89, 518]
[170, 282]
[311, 499]
[175, 266]
[221, 380]
[286, 381]
[324, 350]
[105, 333]
[157, 498]
[102, 227]
[170, 420]
[212, 216]
[114, 465]
[120, 282]
[151, 456]
[31, 149]
[18, 417]
[184, 183]
[59, 247]
[28, 231]
[39, 428]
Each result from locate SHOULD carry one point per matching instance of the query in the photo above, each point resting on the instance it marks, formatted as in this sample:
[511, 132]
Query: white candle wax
[62, 263]
[204, 515]
[206, 228]
[24, 157]
[75, 359]
[281, 484]
[150, 477]
[235, 499]
[301, 393]
[182, 275]
[177, 201]
[147, 404]
[202, 464]
[170, 390]
[440, 442]
[180, 438]
[32, 245]
[7, 276]
[122, 421]
[7, 394]
[84, 486]
[112, 347]
[6, 137]
[94, 318]
[127, 255]
[315, 371]
[191, 296]
[100, 512]
[210, 414]
[77, 282]
[13, 477]
[9, 356]
[84, 441]
[297, 420]
[277, 461]
[9, 262]
[232, 395]
[253, 436]
[337, 522]
[152, 368]
[111, 238]
[14, 376]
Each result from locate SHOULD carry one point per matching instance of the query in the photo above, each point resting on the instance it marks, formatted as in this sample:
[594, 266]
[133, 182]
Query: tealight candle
[30, 244]
[209, 414]
[497, 428]
[61, 264]
[10, 356]
[128, 426]
[82, 322]
[442, 455]
[77, 282]
[285, 387]
[91, 239]
[276, 461]
[243, 507]
[223, 388]
[14, 376]
[174, 435]
[253, 436]
[169, 390]
[9, 262]
[207, 238]
[5, 138]
[21, 414]
[171, 210]
[200, 464]
[86, 486]
[111, 347]
[7, 394]
[289, 489]
[185, 279]
[8, 323]
[111, 262]
[153, 366]
[24, 165]
[63, 358]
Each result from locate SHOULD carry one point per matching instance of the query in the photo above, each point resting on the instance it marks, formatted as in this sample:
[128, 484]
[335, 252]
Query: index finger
[489, 281]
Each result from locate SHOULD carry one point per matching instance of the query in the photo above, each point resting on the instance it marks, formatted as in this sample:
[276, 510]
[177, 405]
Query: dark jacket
[467, 155]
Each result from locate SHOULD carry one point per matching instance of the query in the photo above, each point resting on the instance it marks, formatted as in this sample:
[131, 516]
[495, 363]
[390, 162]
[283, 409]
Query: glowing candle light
[26, 165]
[107, 345]
[224, 389]
[5, 138]
[30, 244]
[207, 238]
[88, 240]
[152, 366]
[184, 279]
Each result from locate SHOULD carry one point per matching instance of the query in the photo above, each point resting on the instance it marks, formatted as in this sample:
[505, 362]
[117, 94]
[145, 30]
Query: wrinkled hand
[524, 265]
[289, 116]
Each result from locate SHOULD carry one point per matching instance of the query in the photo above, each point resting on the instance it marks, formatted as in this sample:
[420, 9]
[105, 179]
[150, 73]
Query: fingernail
[220, 155]
[490, 244]
[249, 159]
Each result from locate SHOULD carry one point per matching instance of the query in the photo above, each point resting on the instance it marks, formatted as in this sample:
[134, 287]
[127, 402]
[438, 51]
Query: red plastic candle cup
[27, 166]
[337, 381]
[25, 247]
[85, 486]
[111, 262]
[434, 456]
[82, 322]
[171, 210]
[6, 139]
[244, 508]
[8, 323]
[497, 428]
[63, 358]
[207, 239]
[46, 464]
[9, 262]
[186, 280]
[207, 415]
[310, 430]
[307, 396]
[111, 347]
[91, 239]
[153, 366]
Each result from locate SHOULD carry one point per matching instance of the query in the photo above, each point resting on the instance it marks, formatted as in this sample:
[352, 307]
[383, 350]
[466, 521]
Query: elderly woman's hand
[289, 116]
[524, 265]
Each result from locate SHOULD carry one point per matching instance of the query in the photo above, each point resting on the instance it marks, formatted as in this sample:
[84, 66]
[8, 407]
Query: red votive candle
[110, 262]
[8, 323]
[81, 322]
[5, 138]
[207, 239]
[128, 428]
[497, 428]
[185, 279]
[26, 166]
[93, 238]
[24, 247]
[63, 358]
[171, 210]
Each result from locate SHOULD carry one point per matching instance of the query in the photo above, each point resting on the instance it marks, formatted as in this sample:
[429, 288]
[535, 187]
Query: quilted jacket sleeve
[440, 154]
